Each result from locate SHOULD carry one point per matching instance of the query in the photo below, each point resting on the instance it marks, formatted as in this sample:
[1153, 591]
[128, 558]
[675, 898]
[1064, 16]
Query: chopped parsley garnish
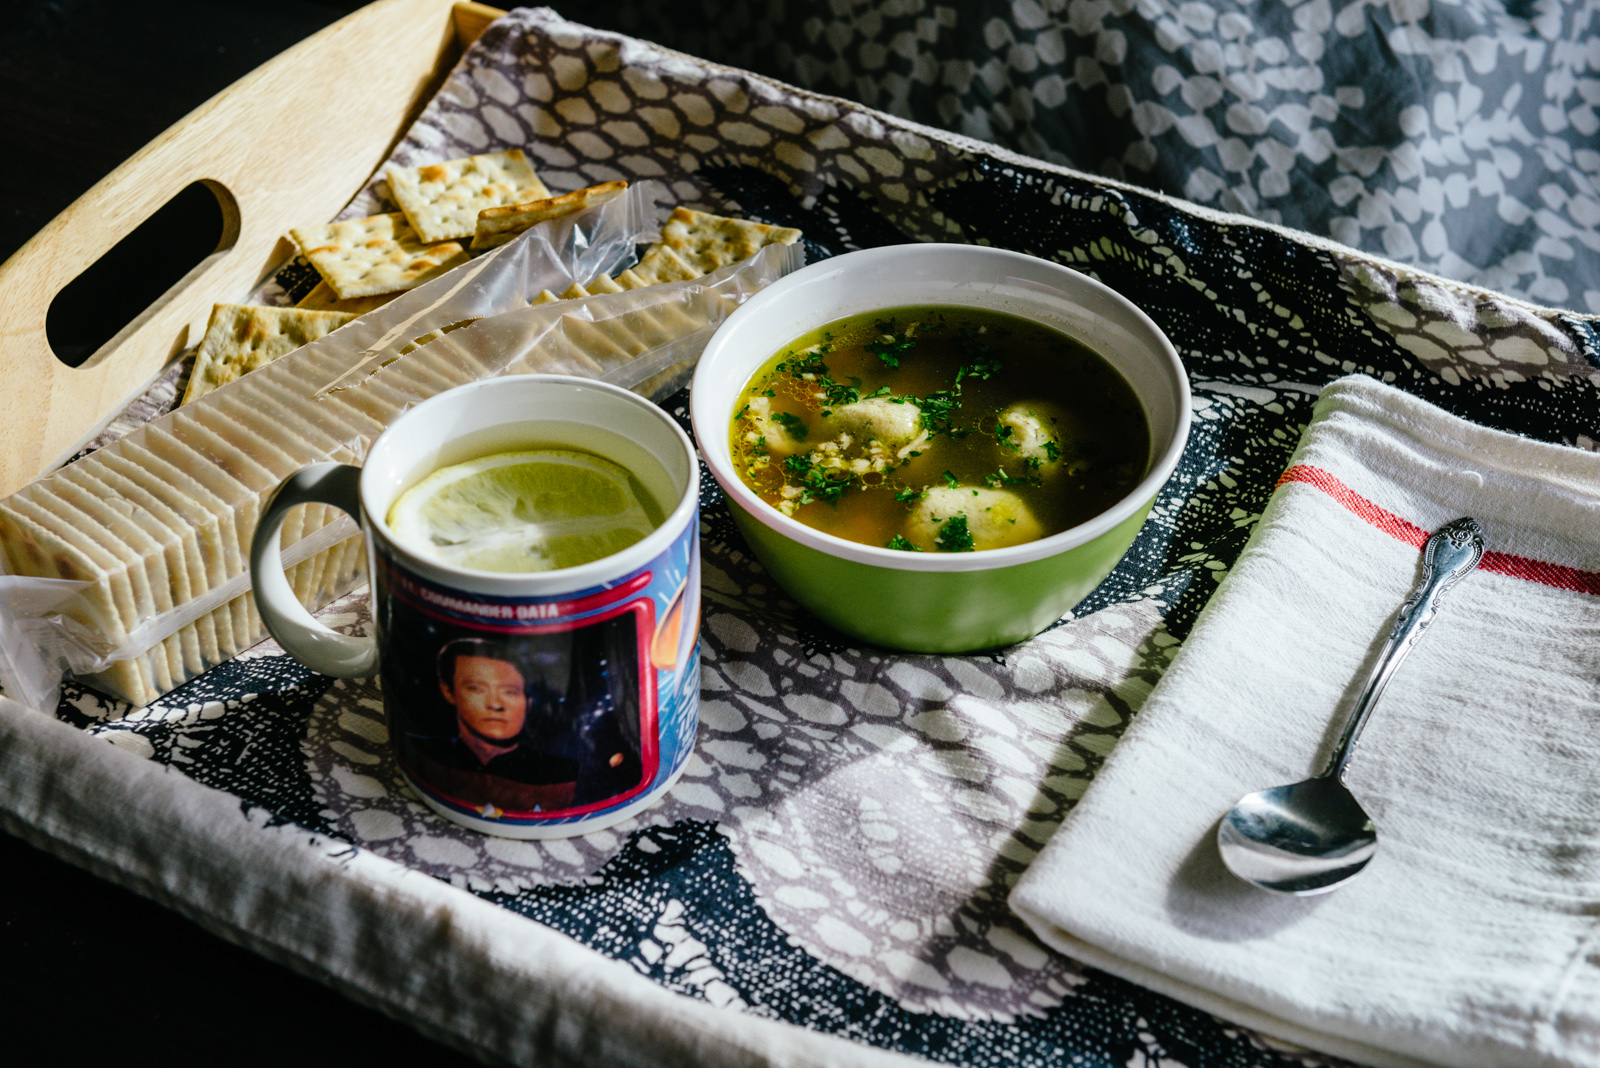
[899, 541]
[983, 368]
[1052, 450]
[1000, 478]
[954, 537]
[981, 361]
[938, 408]
[812, 368]
[938, 411]
[908, 494]
[820, 483]
[836, 394]
[950, 480]
[809, 363]
[888, 346]
[792, 423]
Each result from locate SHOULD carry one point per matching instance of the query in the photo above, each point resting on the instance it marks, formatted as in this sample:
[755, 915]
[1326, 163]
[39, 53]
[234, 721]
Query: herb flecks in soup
[939, 429]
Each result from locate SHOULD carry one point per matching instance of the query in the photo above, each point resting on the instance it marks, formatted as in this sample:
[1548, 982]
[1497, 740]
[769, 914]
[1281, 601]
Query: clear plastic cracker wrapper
[129, 568]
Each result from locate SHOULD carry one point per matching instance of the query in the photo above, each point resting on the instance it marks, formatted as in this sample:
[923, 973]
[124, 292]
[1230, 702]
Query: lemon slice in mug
[536, 510]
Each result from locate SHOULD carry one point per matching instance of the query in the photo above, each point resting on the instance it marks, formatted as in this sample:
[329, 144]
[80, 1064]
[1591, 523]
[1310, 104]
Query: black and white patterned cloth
[1459, 136]
[838, 854]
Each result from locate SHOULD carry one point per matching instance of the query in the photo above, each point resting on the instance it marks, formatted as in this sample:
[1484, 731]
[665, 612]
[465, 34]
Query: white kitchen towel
[1473, 937]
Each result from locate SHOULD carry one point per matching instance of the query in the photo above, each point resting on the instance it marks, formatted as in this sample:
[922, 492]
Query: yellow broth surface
[939, 429]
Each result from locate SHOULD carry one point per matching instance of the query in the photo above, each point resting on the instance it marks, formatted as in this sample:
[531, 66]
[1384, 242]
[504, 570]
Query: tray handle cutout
[114, 293]
[288, 144]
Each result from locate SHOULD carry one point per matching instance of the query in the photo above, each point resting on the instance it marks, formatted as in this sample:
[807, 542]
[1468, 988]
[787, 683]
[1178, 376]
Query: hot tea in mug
[534, 561]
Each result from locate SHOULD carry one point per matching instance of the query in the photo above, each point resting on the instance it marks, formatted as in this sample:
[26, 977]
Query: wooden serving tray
[274, 153]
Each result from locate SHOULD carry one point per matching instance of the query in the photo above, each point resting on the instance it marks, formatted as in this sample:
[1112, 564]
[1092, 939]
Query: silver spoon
[1308, 837]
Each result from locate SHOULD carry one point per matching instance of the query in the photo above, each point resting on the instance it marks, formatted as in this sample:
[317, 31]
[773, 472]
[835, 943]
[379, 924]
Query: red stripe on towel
[1384, 520]
[1522, 567]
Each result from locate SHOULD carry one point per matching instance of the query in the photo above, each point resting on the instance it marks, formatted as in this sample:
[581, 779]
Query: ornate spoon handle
[1452, 551]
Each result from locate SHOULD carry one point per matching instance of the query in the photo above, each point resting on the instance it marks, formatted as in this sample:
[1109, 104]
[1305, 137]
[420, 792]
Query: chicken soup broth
[939, 429]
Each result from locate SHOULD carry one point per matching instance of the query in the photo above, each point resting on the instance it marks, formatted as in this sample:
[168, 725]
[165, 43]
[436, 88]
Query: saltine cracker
[496, 226]
[375, 254]
[241, 337]
[442, 200]
[712, 241]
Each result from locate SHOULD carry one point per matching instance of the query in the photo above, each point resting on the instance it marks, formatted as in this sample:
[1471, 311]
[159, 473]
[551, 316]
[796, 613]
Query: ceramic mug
[527, 705]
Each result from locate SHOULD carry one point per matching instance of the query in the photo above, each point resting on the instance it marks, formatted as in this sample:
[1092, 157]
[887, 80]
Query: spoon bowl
[1304, 838]
[1309, 837]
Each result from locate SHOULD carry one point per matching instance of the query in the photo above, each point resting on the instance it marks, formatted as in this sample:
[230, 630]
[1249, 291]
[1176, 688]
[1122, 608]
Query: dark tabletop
[101, 971]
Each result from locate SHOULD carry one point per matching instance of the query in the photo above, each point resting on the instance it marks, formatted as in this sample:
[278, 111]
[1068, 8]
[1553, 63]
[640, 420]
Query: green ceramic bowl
[940, 602]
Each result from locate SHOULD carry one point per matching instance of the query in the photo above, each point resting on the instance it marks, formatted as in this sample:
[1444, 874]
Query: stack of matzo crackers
[242, 337]
[490, 198]
[165, 514]
[366, 262]
[692, 244]
[439, 206]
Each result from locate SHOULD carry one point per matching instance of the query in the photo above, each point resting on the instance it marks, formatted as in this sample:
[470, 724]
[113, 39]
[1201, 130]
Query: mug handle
[302, 637]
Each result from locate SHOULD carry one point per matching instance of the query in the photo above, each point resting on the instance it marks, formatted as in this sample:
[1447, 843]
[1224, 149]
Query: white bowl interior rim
[926, 274]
